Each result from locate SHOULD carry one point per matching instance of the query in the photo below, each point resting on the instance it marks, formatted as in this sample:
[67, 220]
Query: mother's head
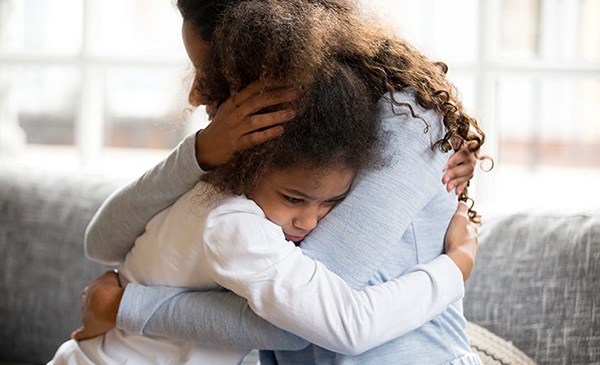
[232, 43]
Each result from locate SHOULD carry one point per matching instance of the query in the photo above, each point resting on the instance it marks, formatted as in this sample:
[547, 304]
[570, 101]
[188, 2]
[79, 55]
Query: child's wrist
[463, 259]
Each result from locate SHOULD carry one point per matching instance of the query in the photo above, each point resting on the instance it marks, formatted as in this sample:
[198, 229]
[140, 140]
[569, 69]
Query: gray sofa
[536, 283]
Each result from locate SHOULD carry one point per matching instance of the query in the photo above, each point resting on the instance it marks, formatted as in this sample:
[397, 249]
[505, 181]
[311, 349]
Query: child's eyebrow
[308, 197]
[299, 193]
[339, 197]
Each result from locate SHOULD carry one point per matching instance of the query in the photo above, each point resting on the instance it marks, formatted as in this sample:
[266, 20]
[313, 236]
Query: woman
[393, 219]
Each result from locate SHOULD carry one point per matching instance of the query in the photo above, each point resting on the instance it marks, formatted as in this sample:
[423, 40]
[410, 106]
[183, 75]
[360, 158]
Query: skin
[235, 127]
[297, 198]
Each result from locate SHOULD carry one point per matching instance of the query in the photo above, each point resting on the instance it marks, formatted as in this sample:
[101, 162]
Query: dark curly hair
[337, 127]
[298, 41]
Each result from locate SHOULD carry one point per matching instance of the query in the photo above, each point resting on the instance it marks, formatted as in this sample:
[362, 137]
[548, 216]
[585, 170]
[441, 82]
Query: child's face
[297, 198]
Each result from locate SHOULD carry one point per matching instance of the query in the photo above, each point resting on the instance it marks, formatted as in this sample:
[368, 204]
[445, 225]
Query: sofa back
[42, 265]
[537, 283]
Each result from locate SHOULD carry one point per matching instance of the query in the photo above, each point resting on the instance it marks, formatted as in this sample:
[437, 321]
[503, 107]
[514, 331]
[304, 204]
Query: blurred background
[100, 86]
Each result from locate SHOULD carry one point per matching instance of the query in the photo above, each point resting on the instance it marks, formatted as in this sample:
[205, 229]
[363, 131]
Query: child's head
[297, 178]
[296, 198]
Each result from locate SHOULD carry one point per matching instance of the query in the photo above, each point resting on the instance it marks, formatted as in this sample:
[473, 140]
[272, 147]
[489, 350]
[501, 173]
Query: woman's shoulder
[403, 104]
[407, 98]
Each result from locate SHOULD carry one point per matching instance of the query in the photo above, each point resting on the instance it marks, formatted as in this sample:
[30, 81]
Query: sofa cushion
[537, 283]
[494, 350]
[42, 265]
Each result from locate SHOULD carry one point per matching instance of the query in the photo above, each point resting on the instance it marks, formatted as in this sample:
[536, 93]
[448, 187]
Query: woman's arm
[223, 318]
[206, 323]
[123, 216]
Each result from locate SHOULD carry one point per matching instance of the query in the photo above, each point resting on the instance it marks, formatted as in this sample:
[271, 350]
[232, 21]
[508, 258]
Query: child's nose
[308, 220]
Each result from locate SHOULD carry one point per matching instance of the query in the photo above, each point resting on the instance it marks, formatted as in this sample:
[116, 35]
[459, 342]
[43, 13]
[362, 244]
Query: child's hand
[100, 304]
[459, 170]
[462, 241]
[235, 128]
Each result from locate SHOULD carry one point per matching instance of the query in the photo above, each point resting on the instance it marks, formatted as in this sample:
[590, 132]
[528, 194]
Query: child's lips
[292, 238]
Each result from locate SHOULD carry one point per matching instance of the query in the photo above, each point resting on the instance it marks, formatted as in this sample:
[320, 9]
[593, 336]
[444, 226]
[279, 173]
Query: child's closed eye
[292, 200]
[336, 200]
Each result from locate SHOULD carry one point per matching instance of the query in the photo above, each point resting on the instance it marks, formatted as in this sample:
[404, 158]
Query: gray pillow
[537, 284]
[493, 350]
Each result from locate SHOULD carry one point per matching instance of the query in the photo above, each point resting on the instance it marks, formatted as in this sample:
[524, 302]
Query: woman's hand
[462, 241]
[235, 127]
[100, 304]
[459, 170]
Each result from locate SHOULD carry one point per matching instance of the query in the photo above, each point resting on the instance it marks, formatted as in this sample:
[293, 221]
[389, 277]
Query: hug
[309, 219]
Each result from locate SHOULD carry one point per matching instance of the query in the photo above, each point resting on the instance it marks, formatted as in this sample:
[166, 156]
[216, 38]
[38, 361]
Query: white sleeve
[250, 256]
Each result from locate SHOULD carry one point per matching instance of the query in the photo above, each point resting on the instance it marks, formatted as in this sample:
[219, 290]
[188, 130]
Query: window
[101, 84]
[93, 84]
[529, 70]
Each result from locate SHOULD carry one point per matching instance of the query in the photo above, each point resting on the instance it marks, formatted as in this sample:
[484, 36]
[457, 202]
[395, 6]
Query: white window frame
[485, 70]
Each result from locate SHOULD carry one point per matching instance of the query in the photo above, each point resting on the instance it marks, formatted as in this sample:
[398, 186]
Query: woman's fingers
[234, 126]
[260, 101]
[261, 121]
[257, 87]
[461, 157]
[256, 138]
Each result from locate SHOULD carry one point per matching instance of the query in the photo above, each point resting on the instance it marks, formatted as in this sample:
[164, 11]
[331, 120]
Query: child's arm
[249, 255]
[225, 319]
[124, 215]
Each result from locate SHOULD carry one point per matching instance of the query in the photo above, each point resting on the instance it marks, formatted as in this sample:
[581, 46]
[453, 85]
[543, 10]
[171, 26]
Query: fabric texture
[537, 283]
[493, 350]
[42, 220]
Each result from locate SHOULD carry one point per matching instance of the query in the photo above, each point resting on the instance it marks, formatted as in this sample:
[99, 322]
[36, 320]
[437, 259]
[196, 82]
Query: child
[213, 235]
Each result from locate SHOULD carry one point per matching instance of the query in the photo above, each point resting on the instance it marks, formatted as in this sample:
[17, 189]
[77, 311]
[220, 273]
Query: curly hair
[337, 119]
[300, 41]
